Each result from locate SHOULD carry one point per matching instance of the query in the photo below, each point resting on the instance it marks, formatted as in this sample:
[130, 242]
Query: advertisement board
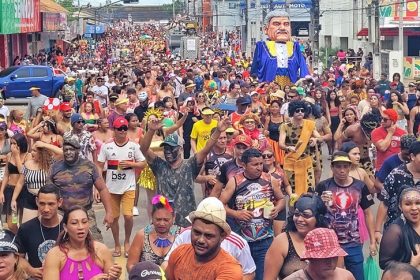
[53, 21]
[19, 16]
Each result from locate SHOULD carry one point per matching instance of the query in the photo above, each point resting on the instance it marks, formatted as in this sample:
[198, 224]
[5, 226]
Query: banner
[19, 16]
[53, 21]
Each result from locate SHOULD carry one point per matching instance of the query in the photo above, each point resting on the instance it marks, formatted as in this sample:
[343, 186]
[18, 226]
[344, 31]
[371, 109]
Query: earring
[403, 218]
[65, 235]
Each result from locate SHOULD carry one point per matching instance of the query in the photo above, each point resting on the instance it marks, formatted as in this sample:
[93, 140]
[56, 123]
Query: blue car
[17, 80]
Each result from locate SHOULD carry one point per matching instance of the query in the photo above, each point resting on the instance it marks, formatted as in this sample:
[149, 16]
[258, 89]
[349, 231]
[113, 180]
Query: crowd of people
[288, 173]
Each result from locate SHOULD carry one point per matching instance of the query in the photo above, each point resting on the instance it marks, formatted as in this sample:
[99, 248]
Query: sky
[141, 2]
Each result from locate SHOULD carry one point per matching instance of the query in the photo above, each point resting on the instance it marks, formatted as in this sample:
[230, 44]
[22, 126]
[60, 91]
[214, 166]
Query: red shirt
[394, 148]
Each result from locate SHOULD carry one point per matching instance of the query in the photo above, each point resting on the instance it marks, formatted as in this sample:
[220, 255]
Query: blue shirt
[389, 164]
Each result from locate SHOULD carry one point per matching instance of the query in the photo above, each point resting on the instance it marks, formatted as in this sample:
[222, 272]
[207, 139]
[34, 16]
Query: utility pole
[248, 28]
[377, 45]
[316, 28]
[401, 38]
[258, 11]
[287, 6]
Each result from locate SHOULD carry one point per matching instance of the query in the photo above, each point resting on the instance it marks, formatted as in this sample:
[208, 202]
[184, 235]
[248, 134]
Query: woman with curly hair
[76, 254]
[46, 131]
[350, 116]
[283, 256]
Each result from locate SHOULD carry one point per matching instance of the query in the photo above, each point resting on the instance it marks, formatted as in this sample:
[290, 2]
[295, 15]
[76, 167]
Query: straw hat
[211, 209]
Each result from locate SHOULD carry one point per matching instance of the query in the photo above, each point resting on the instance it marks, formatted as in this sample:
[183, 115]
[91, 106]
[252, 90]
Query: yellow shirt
[201, 133]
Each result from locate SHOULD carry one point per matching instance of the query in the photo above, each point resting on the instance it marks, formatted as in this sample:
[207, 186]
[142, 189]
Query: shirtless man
[360, 133]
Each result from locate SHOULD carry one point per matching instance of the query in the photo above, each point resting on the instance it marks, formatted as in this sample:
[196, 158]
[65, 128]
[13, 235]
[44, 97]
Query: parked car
[17, 80]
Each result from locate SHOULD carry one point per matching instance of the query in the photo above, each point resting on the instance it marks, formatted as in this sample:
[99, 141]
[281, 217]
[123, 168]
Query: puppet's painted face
[279, 29]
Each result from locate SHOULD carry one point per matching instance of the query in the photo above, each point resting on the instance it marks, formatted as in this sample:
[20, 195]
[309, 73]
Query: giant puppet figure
[278, 59]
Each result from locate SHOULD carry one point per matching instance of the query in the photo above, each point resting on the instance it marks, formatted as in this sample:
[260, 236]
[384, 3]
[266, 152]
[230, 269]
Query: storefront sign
[19, 16]
[90, 29]
[53, 21]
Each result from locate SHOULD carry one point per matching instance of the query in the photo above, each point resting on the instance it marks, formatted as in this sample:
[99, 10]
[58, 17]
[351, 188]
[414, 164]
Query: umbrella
[226, 107]
[145, 37]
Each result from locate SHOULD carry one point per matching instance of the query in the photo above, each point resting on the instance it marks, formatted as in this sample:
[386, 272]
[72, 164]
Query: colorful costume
[280, 62]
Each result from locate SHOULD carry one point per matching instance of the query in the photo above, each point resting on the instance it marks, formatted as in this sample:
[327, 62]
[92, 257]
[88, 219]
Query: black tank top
[292, 262]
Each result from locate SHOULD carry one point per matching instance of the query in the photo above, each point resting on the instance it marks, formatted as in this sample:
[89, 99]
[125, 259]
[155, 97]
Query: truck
[16, 81]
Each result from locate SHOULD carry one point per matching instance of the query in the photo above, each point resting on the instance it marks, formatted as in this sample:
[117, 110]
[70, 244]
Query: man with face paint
[279, 59]
[76, 177]
[175, 176]
[343, 195]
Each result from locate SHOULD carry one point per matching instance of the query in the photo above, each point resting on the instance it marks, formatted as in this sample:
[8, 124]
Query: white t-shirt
[101, 93]
[120, 180]
[235, 245]
[284, 110]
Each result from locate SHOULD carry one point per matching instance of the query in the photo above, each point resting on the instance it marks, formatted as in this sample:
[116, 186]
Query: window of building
[233, 5]
[344, 43]
[327, 39]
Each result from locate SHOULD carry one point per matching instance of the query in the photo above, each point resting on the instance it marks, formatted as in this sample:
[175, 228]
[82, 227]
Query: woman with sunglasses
[201, 101]
[46, 131]
[273, 168]
[153, 242]
[283, 256]
[249, 125]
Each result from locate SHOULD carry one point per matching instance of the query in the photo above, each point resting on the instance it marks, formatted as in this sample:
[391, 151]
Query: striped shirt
[34, 179]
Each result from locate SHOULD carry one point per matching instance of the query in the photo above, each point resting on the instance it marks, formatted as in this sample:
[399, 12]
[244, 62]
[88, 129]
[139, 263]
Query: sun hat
[340, 157]
[119, 122]
[34, 88]
[173, 140]
[212, 210]
[207, 111]
[7, 241]
[121, 101]
[322, 243]
[113, 96]
[189, 84]
[146, 271]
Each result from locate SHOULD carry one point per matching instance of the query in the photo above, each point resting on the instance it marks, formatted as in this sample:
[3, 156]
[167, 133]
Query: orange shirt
[183, 265]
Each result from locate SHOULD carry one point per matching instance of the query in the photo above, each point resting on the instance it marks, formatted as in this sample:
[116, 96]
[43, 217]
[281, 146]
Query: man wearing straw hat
[203, 258]
[36, 101]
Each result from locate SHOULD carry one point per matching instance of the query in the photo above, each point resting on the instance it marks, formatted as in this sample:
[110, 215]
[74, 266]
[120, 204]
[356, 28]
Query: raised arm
[153, 125]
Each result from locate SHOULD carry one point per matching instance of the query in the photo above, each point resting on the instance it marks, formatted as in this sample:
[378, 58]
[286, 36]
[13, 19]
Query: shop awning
[391, 32]
[52, 7]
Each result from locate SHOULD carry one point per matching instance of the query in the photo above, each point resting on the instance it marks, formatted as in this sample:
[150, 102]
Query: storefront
[19, 22]
[54, 25]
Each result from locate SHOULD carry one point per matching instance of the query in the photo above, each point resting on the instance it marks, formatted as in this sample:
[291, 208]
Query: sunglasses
[3, 129]
[200, 96]
[79, 122]
[266, 156]
[291, 96]
[300, 110]
[249, 122]
[122, 128]
[304, 215]
[385, 119]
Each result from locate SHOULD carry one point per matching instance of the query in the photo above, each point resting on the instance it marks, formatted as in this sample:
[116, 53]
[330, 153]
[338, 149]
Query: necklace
[46, 245]
[162, 242]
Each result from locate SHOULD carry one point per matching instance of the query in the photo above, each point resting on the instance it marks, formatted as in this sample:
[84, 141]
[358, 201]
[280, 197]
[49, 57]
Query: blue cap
[76, 118]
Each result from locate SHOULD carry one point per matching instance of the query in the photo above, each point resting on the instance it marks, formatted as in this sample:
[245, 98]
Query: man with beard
[64, 124]
[203, 258]
[37, 236]
[215, 160]
[175, 176]
[253, 199]
[76, 177]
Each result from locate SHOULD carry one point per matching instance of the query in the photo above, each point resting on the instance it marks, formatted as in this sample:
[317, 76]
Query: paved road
[142, 220]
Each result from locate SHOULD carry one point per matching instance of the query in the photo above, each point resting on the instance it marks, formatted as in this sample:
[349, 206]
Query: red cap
[118, 122]
[65, 106]
[394, 84]
[243, 139]
[322, 243]
[392, 114]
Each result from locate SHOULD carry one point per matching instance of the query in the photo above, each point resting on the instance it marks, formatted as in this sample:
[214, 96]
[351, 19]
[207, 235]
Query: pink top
[84, 269]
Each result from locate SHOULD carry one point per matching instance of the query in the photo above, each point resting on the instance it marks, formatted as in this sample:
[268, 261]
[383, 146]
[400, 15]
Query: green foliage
[179, 5]
[68, 5]
[324, 53]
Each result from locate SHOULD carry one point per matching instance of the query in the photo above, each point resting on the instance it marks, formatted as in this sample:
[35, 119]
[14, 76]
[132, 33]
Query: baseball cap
[300, 91]
[34, 88]
[72, 140]
[392, 114]
[212, 210]
[243, 139]
[121, 101]
[7, 241]
[393, 84]
[65, 106]
[76, 118]
[173, 140]
[119, 122]
[322, 243]
[146, 271]
[411, 84]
